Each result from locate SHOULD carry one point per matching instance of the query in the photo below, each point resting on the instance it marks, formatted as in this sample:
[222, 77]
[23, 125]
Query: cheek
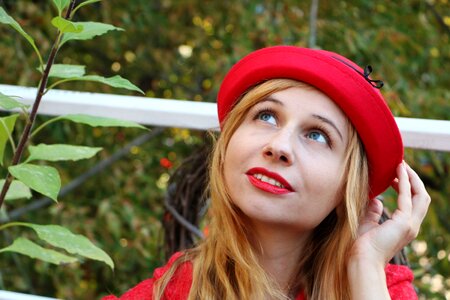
[237, 150]
[231, 162]
[330, 182]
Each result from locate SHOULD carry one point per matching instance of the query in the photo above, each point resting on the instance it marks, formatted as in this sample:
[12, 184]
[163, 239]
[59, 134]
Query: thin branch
[11, 140]
[313, 23]
[29, 125]
[188, 225]
[7, 225]
[58, 83]
[438, 17]
[36, 131]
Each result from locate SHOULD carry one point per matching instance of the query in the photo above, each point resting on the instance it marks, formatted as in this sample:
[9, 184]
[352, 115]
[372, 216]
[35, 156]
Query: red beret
[344, 82]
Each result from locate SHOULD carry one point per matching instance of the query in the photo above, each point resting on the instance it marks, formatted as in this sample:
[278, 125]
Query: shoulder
[399, 280]
[181, 281]
[177, 288]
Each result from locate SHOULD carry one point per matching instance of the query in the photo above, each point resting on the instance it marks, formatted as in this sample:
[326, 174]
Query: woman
[307, 143]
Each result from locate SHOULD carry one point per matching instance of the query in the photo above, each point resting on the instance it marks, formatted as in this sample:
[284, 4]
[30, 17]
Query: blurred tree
[182, 49]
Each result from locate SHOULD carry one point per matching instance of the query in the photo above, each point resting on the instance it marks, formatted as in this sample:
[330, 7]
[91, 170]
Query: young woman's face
[284, 164]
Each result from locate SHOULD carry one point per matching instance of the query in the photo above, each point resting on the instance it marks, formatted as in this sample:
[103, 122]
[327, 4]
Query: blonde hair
[225, 265]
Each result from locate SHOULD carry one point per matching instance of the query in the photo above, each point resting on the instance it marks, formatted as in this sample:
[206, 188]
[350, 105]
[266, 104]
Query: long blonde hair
[225, 264]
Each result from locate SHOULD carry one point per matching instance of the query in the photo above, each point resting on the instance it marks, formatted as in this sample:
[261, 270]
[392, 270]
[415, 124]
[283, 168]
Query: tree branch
[313, 23]
[438, 17]
[29, 125]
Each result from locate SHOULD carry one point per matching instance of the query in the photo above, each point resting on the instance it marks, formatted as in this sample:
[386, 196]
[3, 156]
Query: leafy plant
[25, 175]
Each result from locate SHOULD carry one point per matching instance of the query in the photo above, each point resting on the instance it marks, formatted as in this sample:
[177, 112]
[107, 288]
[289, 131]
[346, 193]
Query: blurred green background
[181, 50]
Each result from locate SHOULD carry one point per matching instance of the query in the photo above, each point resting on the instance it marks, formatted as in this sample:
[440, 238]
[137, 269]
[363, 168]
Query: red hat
[344, 82]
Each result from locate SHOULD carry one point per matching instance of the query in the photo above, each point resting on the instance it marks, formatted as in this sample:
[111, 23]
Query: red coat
[399, 282]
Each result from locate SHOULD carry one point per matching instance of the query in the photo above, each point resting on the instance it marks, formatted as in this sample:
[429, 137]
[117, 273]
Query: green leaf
[61, 152]
[6, 128]
[90, 30]
[29, 248]
[61, 5]
[61, 237]
[8, 103]
[66, 71]
[42, 179]
[115, 81]
[65, 26]
[6, 19]
[100, 121]
[17, 190]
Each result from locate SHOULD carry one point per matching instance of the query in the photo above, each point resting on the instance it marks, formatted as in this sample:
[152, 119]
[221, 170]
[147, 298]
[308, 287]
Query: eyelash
[265, 111]
[323, 130]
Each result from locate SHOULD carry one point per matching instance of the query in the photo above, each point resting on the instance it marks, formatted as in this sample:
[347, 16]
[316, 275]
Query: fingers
[404, 189]
[413, 199]
[420, 197]
[371, 216]
[394, 184]
[374, 211]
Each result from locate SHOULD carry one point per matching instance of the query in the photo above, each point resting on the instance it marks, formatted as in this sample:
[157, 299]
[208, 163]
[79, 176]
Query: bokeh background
[181, 50]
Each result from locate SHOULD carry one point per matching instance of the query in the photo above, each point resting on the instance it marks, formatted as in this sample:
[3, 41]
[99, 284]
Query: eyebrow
[328, 121]
[270, 99]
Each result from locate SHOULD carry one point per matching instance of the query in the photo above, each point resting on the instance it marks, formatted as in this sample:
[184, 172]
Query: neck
[278, 249]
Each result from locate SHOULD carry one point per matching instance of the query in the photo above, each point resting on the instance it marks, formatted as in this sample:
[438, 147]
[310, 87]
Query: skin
[301, 135]
[377, 243]
[302, 138]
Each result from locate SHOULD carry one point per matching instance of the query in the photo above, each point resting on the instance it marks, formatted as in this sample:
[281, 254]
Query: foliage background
[181, 50]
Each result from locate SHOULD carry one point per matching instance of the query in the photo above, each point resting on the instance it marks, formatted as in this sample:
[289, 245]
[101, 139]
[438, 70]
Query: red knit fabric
[398, 280]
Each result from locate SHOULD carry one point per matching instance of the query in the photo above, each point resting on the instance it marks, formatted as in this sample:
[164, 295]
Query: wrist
[367, 278]
[363, 263]
[367, 255]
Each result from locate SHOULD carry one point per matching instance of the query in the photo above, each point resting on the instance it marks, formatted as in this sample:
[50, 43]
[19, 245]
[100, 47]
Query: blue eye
[267, 117]
[317, 136]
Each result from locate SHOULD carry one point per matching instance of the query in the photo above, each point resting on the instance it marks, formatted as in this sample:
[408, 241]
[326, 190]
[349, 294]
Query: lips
[268, 181]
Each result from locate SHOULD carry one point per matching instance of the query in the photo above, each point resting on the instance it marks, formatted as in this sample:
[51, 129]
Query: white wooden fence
[416, 133]
[5, 295]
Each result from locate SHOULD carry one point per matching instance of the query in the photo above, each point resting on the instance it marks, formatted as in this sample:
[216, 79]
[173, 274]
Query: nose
[279, 148]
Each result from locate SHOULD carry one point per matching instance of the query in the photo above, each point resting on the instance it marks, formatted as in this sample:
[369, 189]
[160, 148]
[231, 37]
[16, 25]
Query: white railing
[5, 295]
[416, 133]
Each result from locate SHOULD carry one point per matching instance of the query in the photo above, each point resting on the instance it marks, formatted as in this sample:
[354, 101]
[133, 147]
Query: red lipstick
[265, 186]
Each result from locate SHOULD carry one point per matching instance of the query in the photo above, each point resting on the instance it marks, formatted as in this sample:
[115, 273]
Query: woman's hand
[377, 243]
[380, 242]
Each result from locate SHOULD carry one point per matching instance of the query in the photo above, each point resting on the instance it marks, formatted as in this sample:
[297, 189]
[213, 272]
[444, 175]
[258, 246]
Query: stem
[29, 125]
[75, 10]
[41, 61]
[25, 112]
[43, 125]
[4, 226]
[59, 82]
[11, 141]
